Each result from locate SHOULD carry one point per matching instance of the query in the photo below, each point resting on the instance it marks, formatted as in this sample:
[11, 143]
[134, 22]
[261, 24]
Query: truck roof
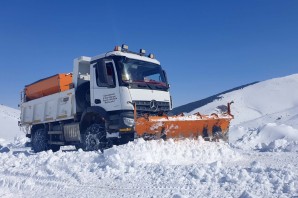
[128, 55]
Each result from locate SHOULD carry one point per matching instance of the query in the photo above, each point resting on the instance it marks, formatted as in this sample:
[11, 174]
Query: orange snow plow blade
[210, 127]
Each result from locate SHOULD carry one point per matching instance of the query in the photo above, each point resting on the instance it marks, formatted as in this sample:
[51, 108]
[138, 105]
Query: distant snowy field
[260, 161]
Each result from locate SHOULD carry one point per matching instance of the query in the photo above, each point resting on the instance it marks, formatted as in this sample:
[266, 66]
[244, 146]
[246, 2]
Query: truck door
[104, 85]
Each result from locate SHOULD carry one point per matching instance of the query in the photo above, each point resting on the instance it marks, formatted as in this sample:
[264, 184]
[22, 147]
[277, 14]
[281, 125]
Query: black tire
[83, 95]
[39, 140]
[95, 138]
[55, 147]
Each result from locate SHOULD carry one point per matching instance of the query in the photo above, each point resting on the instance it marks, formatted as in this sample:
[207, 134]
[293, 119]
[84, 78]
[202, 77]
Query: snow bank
[118, 173]
[270, 137]
[169, 152]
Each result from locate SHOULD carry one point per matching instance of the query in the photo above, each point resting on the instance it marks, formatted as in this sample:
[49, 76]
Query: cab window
[105, 75]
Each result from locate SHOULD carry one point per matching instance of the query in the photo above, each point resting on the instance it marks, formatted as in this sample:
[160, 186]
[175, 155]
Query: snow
[261, 159]
[158, 169]
[266, 115]
[270, 137]
[168, 153]
[9, 118]
[262, 100]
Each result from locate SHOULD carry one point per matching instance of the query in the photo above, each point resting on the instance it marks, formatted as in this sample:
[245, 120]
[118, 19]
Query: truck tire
[95, 138]
[83, 95]
[54, 147]
[39, 140]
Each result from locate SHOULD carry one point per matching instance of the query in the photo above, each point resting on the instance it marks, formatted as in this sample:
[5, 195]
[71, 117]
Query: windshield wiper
[156, 85]
[151, 85]
[147, 84]
[140, 84]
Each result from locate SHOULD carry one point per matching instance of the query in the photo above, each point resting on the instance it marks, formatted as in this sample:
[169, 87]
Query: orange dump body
[212, 127]
[48, 86]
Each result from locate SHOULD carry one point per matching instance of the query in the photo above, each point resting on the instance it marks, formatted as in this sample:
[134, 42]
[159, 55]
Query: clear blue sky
[205, 46]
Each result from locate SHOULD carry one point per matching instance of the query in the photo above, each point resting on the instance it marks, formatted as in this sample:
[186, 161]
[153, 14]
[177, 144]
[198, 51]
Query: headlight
[128, 121]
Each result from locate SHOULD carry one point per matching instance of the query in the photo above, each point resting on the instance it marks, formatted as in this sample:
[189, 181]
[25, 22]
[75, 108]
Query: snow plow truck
[109, 99]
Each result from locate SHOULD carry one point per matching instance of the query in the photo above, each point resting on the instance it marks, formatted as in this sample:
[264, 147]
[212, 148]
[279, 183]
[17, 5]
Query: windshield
[141, 72]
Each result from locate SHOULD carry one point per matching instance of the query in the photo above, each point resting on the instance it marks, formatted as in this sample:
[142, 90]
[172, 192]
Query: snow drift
[158, 169]
[169, 153]
[269, 137]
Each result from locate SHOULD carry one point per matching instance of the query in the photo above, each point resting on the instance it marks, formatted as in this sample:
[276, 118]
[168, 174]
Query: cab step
[55, 132]
[56, 142]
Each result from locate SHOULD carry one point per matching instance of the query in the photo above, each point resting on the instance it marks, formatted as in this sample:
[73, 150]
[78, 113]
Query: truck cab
[120, 81]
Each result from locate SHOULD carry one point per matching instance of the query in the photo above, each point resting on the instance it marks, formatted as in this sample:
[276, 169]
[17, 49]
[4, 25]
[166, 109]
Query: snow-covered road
[188, 168]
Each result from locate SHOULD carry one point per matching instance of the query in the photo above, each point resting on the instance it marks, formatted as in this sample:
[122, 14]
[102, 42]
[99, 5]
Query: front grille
[144, 107]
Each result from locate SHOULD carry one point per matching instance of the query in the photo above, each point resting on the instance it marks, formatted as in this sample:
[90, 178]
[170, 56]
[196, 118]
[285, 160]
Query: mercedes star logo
[153, 105]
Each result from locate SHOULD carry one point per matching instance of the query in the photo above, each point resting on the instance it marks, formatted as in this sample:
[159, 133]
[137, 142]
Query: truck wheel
[95, 138]
[55, 148]
[39, 141]
[83, 95]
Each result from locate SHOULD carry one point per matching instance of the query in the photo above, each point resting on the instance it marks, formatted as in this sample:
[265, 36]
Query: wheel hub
[92, 142]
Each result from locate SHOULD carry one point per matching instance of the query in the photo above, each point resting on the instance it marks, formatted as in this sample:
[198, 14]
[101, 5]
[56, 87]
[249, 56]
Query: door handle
[97, 101]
